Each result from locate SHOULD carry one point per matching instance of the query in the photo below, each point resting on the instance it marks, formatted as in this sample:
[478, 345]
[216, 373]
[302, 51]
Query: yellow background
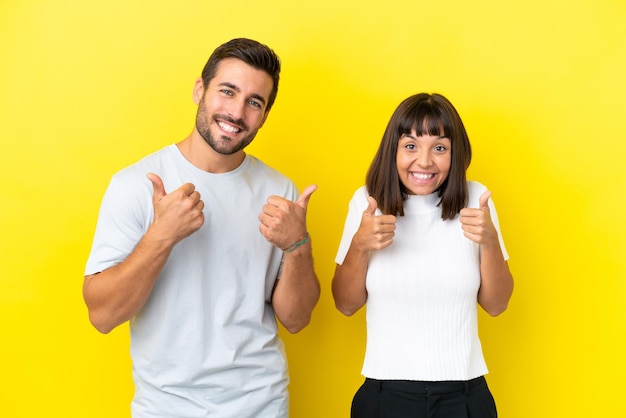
[87, 88]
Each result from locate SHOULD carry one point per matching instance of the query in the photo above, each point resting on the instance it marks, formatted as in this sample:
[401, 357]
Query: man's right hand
[177, 214]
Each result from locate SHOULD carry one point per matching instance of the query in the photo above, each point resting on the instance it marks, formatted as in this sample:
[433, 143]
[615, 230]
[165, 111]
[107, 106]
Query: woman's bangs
[424, 120]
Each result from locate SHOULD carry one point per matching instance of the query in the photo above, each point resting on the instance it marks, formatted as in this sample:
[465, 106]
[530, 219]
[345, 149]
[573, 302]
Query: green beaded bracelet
[298, 243]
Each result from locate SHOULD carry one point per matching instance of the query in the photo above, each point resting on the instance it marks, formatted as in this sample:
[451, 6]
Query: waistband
[426, 388]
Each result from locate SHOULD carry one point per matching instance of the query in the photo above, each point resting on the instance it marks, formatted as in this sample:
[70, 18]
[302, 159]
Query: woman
[421, 245]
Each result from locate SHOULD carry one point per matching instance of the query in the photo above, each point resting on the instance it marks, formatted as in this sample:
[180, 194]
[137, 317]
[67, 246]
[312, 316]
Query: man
[178, 253]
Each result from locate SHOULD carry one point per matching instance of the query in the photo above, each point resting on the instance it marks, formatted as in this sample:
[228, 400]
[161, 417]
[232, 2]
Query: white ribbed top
[422, 295]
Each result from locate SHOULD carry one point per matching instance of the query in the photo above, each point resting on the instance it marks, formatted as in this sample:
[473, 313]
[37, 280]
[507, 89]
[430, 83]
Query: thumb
[371, 207]
[483, 199]
[157, 186]
[303, 200]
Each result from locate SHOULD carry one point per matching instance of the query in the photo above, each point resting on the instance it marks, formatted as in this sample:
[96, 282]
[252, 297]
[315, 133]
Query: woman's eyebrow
[409, 135]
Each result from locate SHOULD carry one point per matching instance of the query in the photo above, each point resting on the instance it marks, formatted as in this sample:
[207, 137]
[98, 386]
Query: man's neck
[201, 155]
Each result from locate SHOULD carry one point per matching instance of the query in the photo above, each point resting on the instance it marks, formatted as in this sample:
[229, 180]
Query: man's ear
[198, 91]
[264, 119]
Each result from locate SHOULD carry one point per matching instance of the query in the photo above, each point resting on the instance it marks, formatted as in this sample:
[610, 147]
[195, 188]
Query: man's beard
[226, 146]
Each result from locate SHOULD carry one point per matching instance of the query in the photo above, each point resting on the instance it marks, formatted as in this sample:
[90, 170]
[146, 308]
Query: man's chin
[226, 147]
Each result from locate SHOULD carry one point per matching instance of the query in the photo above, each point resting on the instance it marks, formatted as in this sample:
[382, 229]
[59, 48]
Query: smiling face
[423, 162]
[233, 106]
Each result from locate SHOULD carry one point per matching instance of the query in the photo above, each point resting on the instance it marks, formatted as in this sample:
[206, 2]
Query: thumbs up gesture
[177, 214]
[476, 222]
[375, 231]
[283, 222]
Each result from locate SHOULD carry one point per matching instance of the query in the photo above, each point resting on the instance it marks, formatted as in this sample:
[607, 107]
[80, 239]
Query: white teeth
[228, 128]
[423, 176]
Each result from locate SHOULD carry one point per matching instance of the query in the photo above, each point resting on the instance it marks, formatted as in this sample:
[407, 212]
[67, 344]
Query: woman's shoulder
[359, 197]
[360, 194]
[475, 189]
[475, 186]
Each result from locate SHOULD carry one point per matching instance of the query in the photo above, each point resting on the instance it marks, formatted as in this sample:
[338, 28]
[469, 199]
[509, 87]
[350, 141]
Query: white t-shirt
[422, 294]
[205, 343]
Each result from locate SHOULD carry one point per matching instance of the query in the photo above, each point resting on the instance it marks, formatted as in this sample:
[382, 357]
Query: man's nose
[236, 109]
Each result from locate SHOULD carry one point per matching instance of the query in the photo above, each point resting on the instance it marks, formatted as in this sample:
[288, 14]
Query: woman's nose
[424, 159]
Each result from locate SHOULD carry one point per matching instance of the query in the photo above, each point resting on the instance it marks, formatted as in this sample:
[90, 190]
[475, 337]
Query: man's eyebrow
[229, 85]
[238, 90]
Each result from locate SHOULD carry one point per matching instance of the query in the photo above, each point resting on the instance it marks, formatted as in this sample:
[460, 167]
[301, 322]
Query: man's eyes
[252, 102]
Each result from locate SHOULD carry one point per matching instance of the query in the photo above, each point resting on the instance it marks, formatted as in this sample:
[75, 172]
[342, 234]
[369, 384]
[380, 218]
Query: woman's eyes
[438, 148]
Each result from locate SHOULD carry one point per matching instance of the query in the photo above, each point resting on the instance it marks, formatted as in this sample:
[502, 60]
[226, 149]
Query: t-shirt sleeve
[125, 213]
[357, 205]
[476, 189]
[292, 194]
[496, 223]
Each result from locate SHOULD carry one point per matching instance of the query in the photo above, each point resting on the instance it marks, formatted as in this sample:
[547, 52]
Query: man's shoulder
[150, 162]
[261, 168]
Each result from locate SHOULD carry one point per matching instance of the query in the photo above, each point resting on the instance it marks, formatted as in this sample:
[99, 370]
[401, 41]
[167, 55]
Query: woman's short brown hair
[428, 114]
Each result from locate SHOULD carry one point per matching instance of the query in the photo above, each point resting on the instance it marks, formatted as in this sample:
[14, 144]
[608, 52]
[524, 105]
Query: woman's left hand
[476, 222]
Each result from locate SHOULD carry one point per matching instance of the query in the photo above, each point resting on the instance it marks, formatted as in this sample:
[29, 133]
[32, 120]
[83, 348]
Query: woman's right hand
[376, 231]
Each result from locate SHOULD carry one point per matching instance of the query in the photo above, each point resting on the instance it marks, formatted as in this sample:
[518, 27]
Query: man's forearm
[116, 294]
[297, 291]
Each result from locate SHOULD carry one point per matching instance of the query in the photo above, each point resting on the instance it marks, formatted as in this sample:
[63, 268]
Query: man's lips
[228, 128]
[230, 125]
